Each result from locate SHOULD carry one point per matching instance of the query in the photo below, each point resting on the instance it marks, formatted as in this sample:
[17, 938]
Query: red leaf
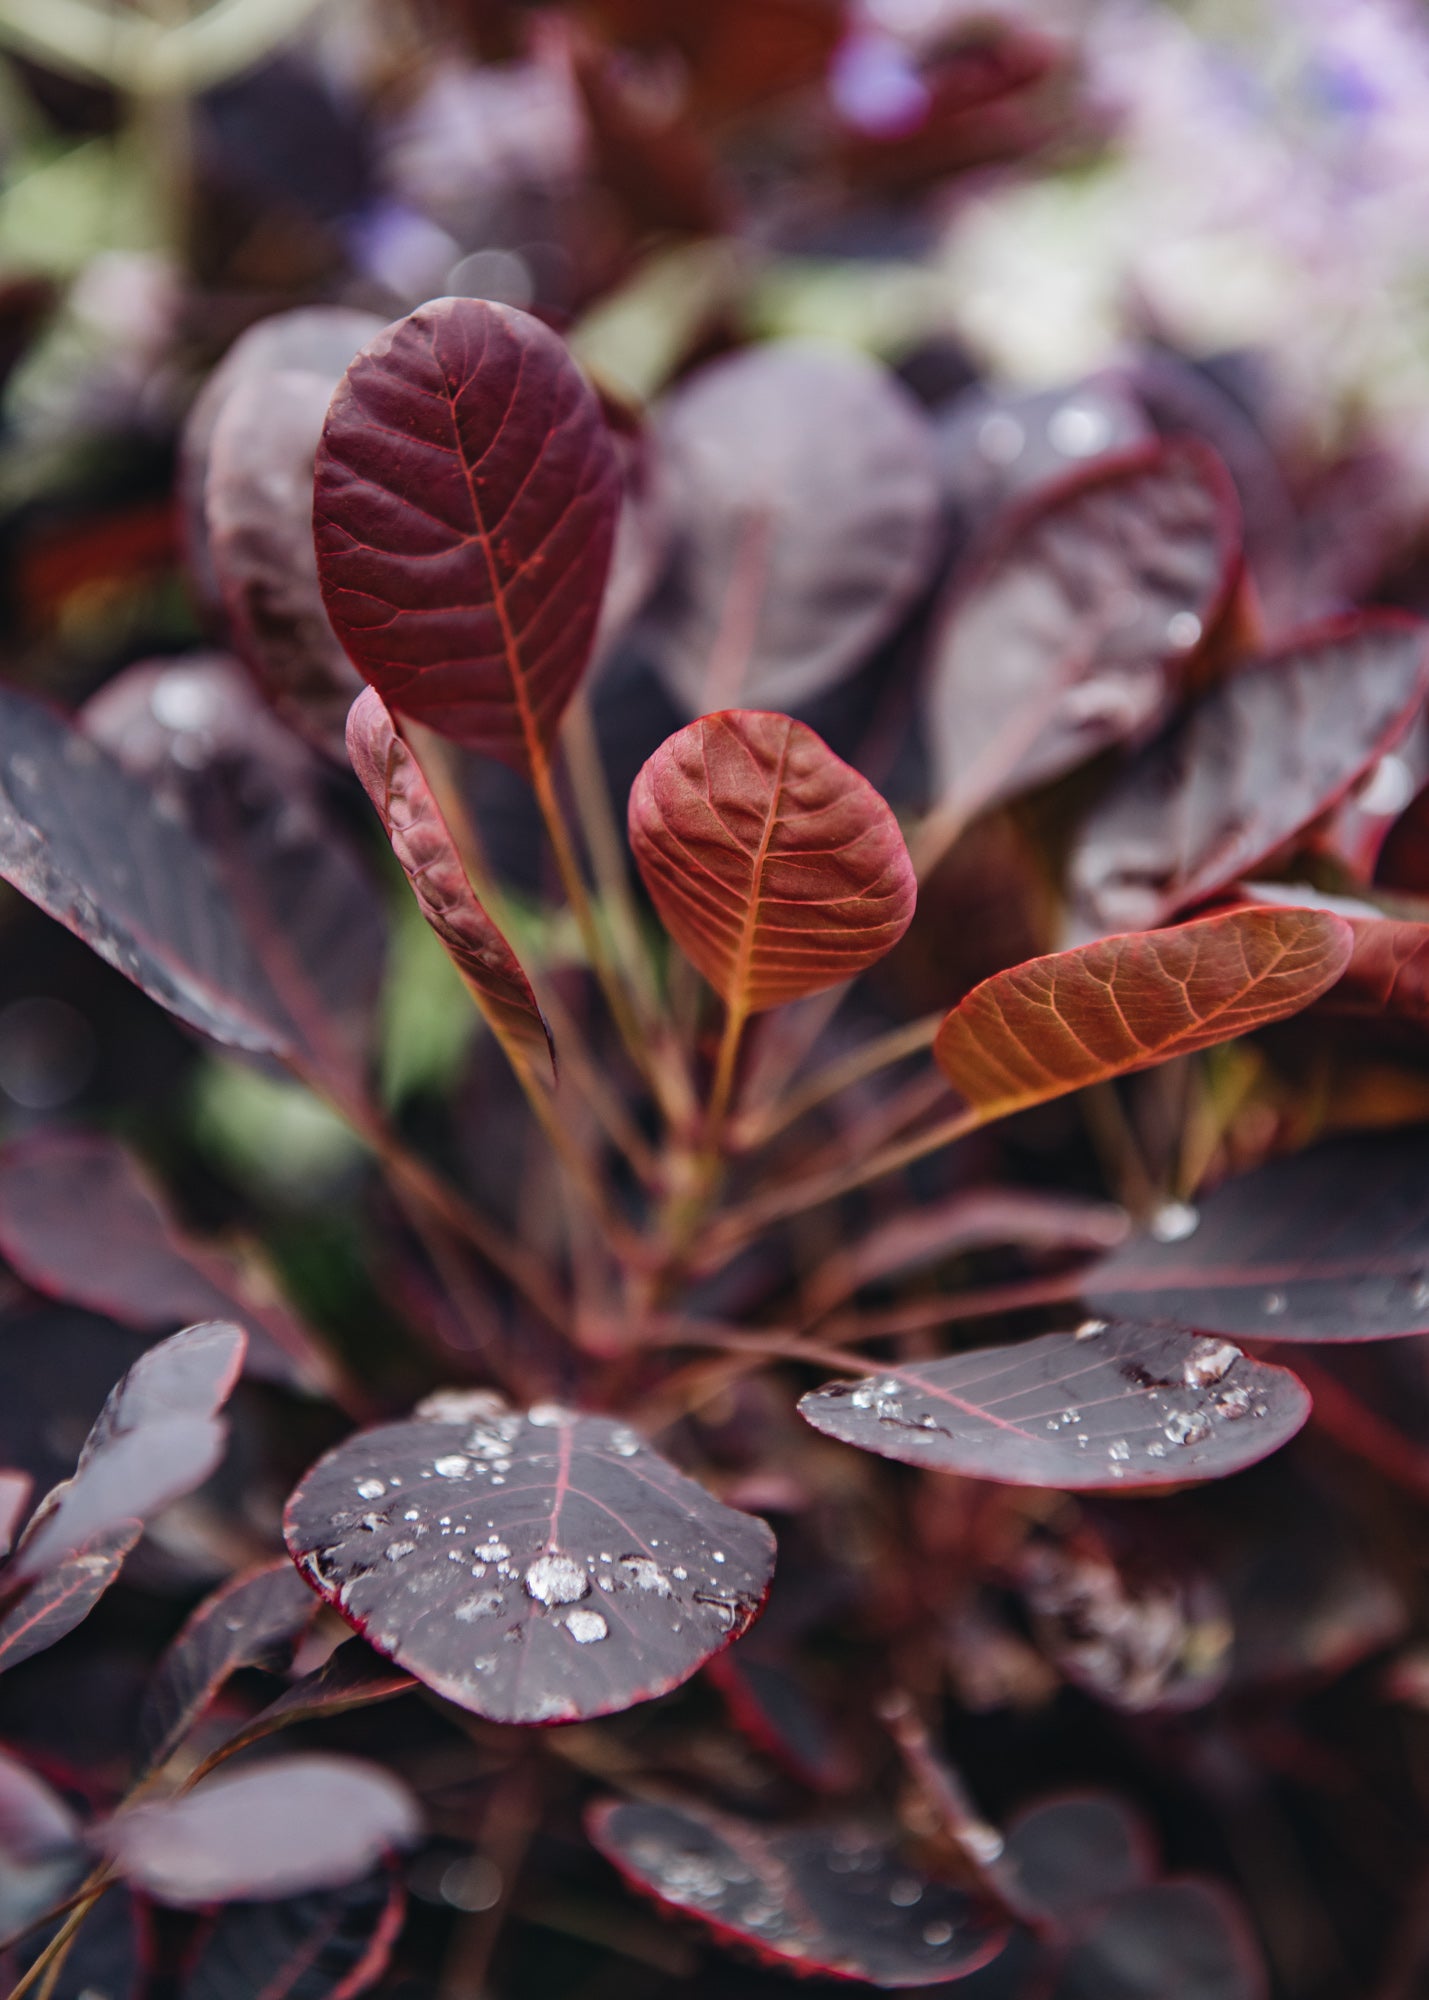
[64, 1597]
[466, 501]
[1125, 1003]
[331, 1945]
[775, 867]
[41, 1850]
[1179, 1939]
[423, 844]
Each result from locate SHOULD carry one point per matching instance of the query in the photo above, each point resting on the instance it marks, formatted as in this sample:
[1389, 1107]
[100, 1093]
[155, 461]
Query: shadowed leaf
[466, 500]
[533, 1568]
[352, 1676]
[41, 1851]
[1077, 1017]
[327, 1946]
[1073, 1855]
[832, 1901]
[424, 846]
[1174, 1940]
[15, 1491]
[776, 868]
[1118, 1408]
[64, 1596]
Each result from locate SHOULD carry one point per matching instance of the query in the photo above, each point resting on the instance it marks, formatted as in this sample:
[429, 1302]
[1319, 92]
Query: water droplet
[625, 1444]
[984, 1843]
[453, 1466]
[491, 1551]
[395, 1551]
[1275, 1304]
[905, 1892]
[1078, 431]
[1187, 1427]
[1208, 1361]
[1000, 438]
[1183, 630]
[460, 1406]
[472, 1608]
[586, 1627]
[938, 1933]
[1174, 1221]
[1119, 1449]
[646, 1575]
[1233, 1403]
[1090, 1328]
[1389, 788]
[371, 1489]
[1419, 1297]
[556, 1579]
[412, 1514]
[549, 1416]
[1156, 1450]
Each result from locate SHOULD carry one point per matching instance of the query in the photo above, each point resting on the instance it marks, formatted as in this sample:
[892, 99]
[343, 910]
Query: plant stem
[50, 1963]
[880, 1053]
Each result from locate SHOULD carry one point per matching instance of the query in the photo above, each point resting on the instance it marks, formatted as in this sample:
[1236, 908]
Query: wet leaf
[245, 1623]
[1125, 1003]
[282, 1828]
[466, 501]
[1330, 1244]
[327, 1946]
[41, 1848]
[775, 867]
[55, 1603]
[1069, 631]
[1245, 768]
[423, 844]
[533, 1568]
[804, 502]
[1124, 1407]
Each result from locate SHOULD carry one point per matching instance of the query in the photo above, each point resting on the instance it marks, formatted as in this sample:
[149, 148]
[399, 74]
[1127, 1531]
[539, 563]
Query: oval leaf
[466, 501]
[1070, 631]
[1186, 1938]
[833, 1901]
[804, 493]
[776, 868]
[64, 1597]
[1113, 1407]
[41, 1848]
[536, 1568]
[282, 1828]
[423, 844]
[1125, 1003]
[329, 1946]
[1331, 1244]
[1073, 1855]
[1249, 764]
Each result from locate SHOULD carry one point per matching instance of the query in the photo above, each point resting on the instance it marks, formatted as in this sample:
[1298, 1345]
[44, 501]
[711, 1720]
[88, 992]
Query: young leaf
[1245, 767]
[158, 1436]
[423, 844]
[331, 1945]
[804, 496]
[64, 1596]
[1330, 1244]
[775, 867]
[1125, 1003]
[1069, 632]
[41, 1850]
[542, 1567]
[241, 1625]
[138, 1266]
[837, 1902]
[283, 1828]
[1115, 1407]
[465, 507]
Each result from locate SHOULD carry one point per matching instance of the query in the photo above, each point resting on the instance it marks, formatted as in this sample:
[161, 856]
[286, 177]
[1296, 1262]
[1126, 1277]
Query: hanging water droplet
[1174, 1221]
[586, 1627]
[556, 1579]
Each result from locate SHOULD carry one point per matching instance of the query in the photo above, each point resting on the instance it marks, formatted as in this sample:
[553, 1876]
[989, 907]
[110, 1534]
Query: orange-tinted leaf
[775, 867]
[423, 844]
[1125, 1003]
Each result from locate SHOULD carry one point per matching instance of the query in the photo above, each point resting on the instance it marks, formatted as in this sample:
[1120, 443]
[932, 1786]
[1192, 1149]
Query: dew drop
[491, 1551]
[371, 1489]
[1274, 1304]
[938, 1933]
[556, 1579]
[905, 1892]
[646, 1575]
[1078, 431]
[396, 1551]
[1090, 1328]
[1000, 438]
[586, 1627]
[549, 1416]
[1208, 1361]
[1233, 1403]
[1183, 630]
[625, 1444]
[1187, 1427]
[1174, 1221]
[1119, 1450]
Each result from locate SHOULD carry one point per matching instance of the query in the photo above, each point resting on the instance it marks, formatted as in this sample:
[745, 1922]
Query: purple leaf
[533, 1568]
[1245, 767]
[282, 1828]
[41, 1851]
[1330, 1244]
[352, 1676]
[466, 500]
[1112, 1407]
[804, 500]
[326, 1946]
[15, 1490]
[138, 1267]
[1175, 1940]
[838, 1902]
[64, 1596]
[244, 1624]
[1071, 627]
[1075, 1854]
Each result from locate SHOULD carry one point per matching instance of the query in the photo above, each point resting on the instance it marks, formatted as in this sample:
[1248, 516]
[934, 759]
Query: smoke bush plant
[770, 1193]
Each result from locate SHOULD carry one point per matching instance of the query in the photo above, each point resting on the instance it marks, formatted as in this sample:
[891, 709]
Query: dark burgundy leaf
[466, 500]
[423, 844]
[1073, 1855]
[89, 844]
[244, 1624]
[15, 1491]
[773, 1711]
[281, 1828]
[804, 501]
[352, 1676]
[534, 1568]
[158, 1436]
[328, 1946]
[1175, 1940]
[41, 1848]
[107, 1959]
[1069, 632]
[1107, 1407]
[776, 868]
[1245, 768]
[1330, 1244]
[138, 1267]
[1124, 1003]
[65, 1595]
[833, 1901]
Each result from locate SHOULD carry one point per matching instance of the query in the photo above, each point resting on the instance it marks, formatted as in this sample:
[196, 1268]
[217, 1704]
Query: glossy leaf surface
[332, 1945]
[804, 501]
[1069, 632]
[1330, 1244]
[423, 844]
[243, 1624]
[534, 1568]
[56, 1602]
[1124, 1407]
[282, 1828]
[776, 868]
[1124, 1003]
[835, 1901]
[466, 501]
[1246, 766]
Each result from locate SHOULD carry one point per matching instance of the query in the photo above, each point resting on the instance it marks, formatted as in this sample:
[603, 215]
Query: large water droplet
[1187, 1427]
[586, 1627]
[453, 1466]
[556, 1579]
[1174, 1221]
[1208, 1361]
[371, 1489]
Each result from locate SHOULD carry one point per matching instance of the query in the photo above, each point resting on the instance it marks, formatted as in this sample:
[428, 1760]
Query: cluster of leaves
[1023, 910]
